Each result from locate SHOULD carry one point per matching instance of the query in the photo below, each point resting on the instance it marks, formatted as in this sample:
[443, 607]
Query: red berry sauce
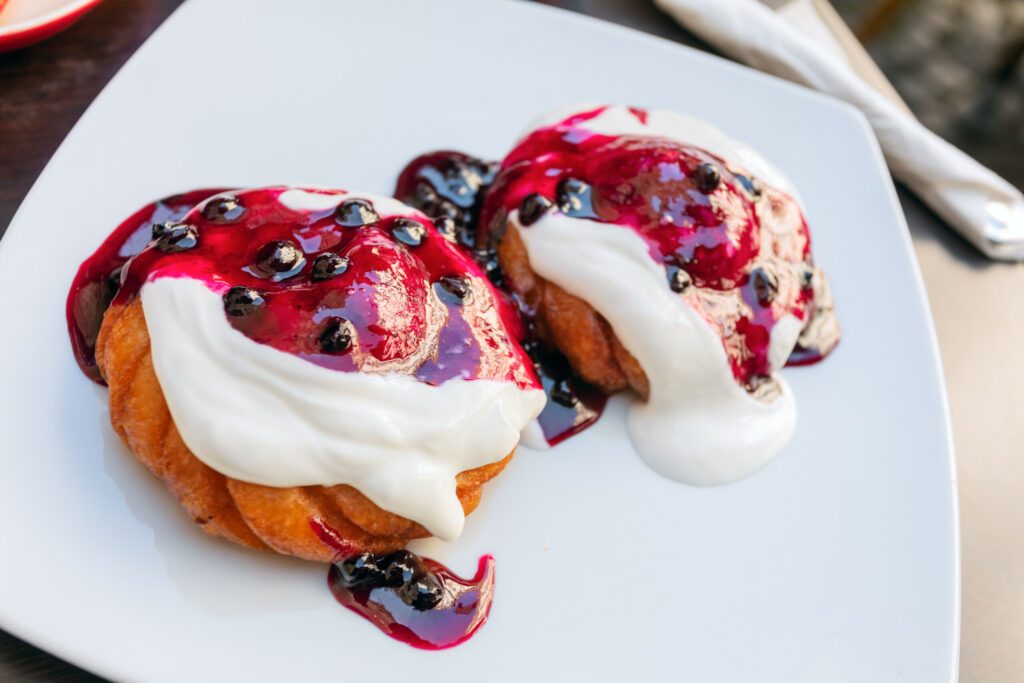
[98, 278]
[450, 187]
[740, 252]
[413, 599]
[349, 288]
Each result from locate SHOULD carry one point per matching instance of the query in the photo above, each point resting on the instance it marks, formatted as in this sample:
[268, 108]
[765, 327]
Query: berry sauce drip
[572, 405]
[450, 188]
[737, 250]
[99, 277]
[331, 278]
[413, 599]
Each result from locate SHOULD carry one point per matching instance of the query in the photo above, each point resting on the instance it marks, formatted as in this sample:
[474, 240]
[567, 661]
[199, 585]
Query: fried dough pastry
[736, 249]
[571, 324]
[252, 515]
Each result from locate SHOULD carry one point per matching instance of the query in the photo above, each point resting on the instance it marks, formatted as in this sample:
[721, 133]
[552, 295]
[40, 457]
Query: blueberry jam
[340, 284]
[99, 277]
[451, 187]
[573, 404]
[413, 599]
[738, 251]
[448, 185]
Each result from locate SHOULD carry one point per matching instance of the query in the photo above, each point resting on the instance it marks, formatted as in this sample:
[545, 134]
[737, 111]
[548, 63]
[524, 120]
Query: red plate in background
[24, 22]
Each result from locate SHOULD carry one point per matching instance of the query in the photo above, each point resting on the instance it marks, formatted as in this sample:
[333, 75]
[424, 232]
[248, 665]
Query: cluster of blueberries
[282, 259]
[401, 571]
[449, 187]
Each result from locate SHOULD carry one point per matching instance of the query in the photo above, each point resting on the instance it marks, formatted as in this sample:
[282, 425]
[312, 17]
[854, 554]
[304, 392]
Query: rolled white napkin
[983, 207]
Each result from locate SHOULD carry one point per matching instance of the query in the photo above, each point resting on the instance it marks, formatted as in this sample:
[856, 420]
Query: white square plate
[838, 562]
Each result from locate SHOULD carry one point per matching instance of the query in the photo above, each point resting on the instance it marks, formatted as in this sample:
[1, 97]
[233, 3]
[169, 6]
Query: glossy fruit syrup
[318, 274]
[413, 599]
[450, 187]
[99, 277]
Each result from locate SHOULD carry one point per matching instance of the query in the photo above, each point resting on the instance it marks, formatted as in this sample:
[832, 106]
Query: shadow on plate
[212, 574]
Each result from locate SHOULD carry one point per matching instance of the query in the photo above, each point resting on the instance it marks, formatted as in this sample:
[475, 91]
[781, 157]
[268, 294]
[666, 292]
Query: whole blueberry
[360, 568]
[707, 177]
[223, 209]
[327, 266]
[423, 594]
[576, 198]
[454, 289]
[562, 393]
[532, 208]
[175, 237]
[408, 231]
[356, 213]
[400, 568]
[678, 279]
[336, 336]
[239, 301]
[158, 230]
[280, 259]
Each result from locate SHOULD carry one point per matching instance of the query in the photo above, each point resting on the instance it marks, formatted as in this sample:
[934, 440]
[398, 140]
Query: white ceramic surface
[837, 562]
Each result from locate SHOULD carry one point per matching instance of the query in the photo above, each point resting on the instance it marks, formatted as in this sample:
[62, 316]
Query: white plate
[839, 562]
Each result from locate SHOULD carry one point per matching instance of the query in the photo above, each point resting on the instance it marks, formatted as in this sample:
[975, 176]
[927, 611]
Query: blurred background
[959, 64]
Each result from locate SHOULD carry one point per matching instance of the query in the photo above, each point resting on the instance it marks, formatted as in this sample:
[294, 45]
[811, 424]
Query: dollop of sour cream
[698, 426]
[265, 416]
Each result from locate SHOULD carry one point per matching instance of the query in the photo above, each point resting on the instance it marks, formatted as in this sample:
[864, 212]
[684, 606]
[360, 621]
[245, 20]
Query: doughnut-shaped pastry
[658, 254]
[289, 360]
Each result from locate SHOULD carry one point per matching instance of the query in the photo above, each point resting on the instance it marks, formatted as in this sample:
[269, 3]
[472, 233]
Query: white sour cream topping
[699, 426]
[298, 199]
[264, 416]
[303, 200]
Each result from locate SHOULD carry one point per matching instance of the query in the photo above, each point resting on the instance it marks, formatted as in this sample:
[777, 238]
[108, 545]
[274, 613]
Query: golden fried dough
[571, 324]
[249, 514]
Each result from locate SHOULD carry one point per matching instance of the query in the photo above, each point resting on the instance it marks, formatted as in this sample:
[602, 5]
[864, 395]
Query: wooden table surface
[45, 88]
